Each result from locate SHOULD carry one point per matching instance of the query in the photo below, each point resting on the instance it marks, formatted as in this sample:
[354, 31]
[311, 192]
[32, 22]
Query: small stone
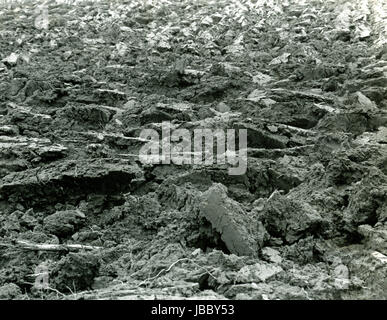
[280, 59]
[222, 107]
[261, 78]
[273, 129]
[196, 252]
[271, 255]
[259, 272]
[67, 54]
[11, 60]
[9, 291]
[380, 256]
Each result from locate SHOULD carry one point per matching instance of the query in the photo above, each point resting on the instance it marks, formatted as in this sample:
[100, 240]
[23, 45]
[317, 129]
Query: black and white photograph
[193, 150]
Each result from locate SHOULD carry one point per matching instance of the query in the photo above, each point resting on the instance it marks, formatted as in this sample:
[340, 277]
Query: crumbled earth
[82, 218]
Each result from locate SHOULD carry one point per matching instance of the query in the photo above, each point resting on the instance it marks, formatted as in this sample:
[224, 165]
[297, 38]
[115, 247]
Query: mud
[308, 219]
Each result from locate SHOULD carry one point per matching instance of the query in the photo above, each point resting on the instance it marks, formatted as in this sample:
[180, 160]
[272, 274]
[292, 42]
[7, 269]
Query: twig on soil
[163, 270]
[48, 288]
[171, 266]
[48, 246]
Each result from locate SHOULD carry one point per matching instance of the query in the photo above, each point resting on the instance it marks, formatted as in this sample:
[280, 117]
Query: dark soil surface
[80, 214]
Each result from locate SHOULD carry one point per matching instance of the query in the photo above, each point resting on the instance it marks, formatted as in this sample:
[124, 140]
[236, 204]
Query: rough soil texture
[307, 79]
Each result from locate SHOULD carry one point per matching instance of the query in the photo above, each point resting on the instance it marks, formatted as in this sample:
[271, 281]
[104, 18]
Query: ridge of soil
[79, 81]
